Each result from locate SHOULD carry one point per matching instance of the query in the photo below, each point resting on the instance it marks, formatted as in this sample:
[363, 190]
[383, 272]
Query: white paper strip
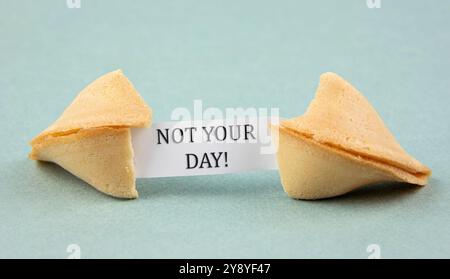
[203, 148]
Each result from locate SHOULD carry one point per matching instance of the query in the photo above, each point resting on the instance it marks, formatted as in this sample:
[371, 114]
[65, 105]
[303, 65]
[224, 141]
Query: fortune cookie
[341, 144]
[92, 138]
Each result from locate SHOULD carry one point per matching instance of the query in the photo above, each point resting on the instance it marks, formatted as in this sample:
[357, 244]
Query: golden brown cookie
[341, 144]
[92, 139]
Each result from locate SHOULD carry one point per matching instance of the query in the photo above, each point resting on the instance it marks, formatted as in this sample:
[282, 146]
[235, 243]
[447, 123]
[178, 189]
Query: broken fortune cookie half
[92, 138]
[341, 144]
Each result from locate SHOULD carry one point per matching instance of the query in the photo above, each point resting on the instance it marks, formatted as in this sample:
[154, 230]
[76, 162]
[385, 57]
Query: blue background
[228, 54]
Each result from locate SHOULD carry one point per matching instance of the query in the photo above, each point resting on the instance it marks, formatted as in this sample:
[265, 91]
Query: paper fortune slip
[188, 148]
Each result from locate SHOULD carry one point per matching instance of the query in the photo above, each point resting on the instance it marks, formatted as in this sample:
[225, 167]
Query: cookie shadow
[378, 193]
